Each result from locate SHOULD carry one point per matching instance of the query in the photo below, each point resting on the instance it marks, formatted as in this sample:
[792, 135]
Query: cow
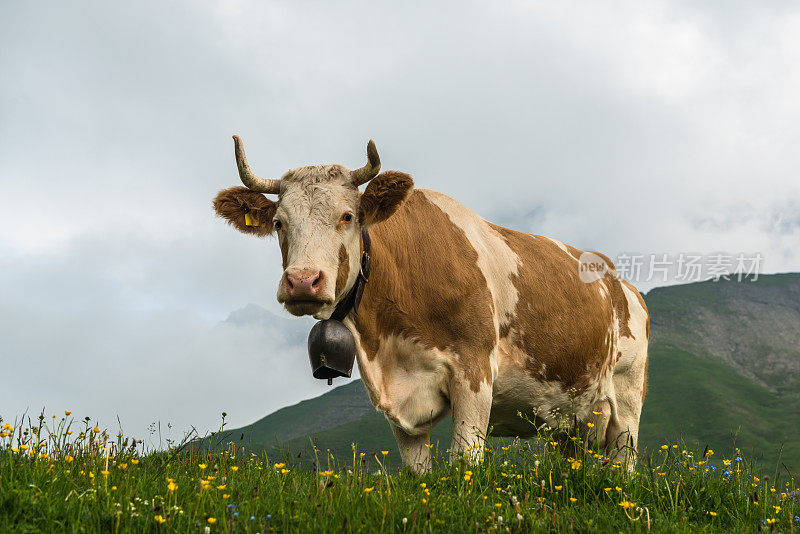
[501, 329]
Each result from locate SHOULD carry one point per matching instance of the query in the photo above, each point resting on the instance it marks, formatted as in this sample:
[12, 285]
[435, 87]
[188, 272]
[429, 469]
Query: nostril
[317, 280]
[289, 282]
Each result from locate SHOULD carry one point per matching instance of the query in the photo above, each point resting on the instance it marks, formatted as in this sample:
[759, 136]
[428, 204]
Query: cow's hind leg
[414, 448]
[622, 433]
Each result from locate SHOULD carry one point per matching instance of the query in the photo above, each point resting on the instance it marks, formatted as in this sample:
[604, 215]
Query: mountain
[724, 362]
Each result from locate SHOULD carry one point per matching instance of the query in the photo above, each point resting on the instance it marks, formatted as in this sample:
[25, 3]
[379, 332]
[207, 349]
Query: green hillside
[724, 362]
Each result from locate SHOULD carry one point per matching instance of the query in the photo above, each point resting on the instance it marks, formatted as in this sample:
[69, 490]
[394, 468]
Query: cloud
[659, 127]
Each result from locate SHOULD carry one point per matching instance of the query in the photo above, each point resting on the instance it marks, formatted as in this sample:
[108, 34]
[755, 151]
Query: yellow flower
[627, 504]
[104, 473]
[221, 486]
[280, 466]
[202, 466]
[67, 413]
[726, 462]
[159, 519]
[23, 447]
[6, 426]
[576, 464]
[384, 453]
[367, 490]
[69, 432]
[113, 488]
[711, 452]
[771, 521]
[712, 514]
[618, 488]
[424, 501]
[665, 447]
[212, 520]
[590, 425]
[68, 458]
[284, 471]
[172, 486]
[234, 468]
[553, 443]
[558, 488]
[123, 466]
[96, 430]
[225, 495]
[4, 434]
[498, 505]
[467, 477]
[573, 499]
[134, 461]
[423, 485]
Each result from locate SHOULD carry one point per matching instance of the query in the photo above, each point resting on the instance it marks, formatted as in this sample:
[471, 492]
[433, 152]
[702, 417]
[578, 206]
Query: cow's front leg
[414, 448]
[471, 410]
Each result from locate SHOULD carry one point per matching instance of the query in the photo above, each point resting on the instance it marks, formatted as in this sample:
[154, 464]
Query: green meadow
[61, 474]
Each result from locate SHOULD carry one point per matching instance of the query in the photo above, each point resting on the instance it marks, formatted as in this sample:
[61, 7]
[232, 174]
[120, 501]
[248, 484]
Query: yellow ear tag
[249, 220]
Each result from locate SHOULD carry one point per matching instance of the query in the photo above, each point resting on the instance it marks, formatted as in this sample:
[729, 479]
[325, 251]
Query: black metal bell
[331, 350]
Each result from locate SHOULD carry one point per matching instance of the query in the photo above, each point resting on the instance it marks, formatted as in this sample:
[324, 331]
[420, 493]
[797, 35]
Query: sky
[632, 128]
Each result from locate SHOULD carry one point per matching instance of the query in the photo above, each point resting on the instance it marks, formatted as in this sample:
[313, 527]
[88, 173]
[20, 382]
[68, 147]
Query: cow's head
[318, 219]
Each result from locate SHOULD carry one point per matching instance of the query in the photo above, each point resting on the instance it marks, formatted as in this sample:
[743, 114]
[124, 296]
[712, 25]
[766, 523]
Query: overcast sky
[638, 127]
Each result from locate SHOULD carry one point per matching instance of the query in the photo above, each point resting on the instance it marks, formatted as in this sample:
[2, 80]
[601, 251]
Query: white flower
[405, 520]
[519, 517]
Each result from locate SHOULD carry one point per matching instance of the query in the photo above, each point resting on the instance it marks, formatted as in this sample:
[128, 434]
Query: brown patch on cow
[344, 270]
[426, 286]
[232, 204]
[561, 324]
[620, 302]
[383, 195]
[284, 252]
[644, 383]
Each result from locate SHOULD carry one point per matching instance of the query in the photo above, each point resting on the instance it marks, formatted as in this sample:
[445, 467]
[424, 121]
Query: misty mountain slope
[724, 360]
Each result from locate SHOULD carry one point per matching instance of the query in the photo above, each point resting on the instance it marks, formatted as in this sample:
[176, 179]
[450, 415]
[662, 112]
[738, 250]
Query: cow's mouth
[304, 307]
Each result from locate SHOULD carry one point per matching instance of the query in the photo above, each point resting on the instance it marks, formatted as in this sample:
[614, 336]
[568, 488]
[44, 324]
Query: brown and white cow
[459, 315]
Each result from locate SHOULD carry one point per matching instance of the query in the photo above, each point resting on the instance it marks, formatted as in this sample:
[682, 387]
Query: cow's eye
[347, 217]
[277, 224]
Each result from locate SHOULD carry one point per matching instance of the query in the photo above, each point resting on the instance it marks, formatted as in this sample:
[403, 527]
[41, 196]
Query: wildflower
[618, 488]
[212, 520]
[123, 466]
[234, 468]
[726, 462]
[423, 485]
[738, 459]
[665, 447]
[558, 488]
[284, 471]
[159, 519]
[172, 486]
[384, 453]
[777, 509]
[69, 432]
[710, 452]
[225, 495]
[712, 514]
[104, 473]
[424, 501]
[96, 430]
[467, 477]
[369, 489]
[67, 413]
[606, 489]
[498, 505]
[202, 466]
[590, 425]
[553, 443]
[8, 427]
[68, 458]
[771, 521]
[627, 504]
[573, 499]
[221, 487]
[405, 521]
[280, 465]
[576, 464]
[23, 447]
[134, 461]
[113, 488]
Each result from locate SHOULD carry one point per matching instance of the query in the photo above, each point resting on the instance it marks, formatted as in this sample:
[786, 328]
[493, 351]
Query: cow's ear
[246, 210]
[383, 195]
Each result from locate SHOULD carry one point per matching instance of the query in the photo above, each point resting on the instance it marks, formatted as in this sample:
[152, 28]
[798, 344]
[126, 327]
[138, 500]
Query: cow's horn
[371, 169]
[253, 182]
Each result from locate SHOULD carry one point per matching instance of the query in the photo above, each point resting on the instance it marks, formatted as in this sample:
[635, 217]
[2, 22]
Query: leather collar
[353, 297]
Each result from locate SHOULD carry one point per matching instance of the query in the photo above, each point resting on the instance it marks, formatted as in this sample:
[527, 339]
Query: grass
[59, 474]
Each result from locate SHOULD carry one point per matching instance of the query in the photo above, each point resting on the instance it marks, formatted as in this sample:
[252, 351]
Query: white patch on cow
[406, 381]
[496, 260]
